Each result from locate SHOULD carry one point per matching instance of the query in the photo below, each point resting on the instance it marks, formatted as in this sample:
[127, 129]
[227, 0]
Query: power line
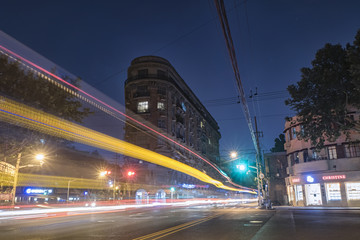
[231, 49]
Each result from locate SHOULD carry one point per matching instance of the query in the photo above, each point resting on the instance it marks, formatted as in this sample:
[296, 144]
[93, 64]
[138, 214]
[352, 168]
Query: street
[215, 221]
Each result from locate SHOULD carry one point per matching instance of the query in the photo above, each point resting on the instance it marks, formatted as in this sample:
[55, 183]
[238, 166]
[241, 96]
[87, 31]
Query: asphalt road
[216, 221]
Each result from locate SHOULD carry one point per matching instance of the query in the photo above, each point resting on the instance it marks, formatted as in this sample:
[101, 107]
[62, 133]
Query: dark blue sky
[96, 40]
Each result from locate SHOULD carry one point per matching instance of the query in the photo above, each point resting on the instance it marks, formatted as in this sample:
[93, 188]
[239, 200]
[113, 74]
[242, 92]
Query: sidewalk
[315, 208]
[280, 227]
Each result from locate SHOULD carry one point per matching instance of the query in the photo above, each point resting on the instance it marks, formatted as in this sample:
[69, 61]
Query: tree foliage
[279, 144]
[26, 86]
[33, 90]
[327, 94]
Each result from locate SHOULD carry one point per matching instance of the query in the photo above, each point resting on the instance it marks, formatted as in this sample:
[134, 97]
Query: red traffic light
[130, 173]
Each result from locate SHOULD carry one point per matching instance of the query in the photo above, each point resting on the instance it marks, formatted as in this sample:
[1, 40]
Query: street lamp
[233, 154]
[39, 157]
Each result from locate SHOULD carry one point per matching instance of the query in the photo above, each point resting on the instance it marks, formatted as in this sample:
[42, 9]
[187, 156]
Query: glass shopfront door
[313, 194]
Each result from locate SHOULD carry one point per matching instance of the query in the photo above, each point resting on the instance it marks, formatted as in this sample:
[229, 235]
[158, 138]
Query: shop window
[333, 192]
[143, 107]
[353, 191]
[290, 192]
[161, 106]
[332, 152]
[299, 193]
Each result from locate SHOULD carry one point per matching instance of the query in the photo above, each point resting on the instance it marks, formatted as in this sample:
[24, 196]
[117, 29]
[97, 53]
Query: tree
[279, 144]
[327, 94]
[33, 90]
[23, 85]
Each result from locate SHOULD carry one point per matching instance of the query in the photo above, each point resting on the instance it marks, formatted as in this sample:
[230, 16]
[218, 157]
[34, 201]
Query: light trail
[74, 211]
[121, 113]
[25, 116]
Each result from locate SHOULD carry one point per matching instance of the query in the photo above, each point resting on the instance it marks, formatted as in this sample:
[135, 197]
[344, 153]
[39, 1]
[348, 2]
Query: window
[352, 150]
[161, 123]
[143, 73]
[183, 106]
[143, 107]
[142, 91]
[161, 91]
[314, 155]
[293, 133]
[332, 152]
[161, 106]
[353, 191]
[161, 73]
[299, 193]
[333, 192]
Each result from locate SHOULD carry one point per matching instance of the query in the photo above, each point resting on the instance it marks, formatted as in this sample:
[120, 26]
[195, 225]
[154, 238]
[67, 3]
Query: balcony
[342, 164]
[148, 76]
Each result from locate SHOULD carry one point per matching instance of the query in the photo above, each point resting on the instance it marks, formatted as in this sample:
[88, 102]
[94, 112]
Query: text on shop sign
[334, 177]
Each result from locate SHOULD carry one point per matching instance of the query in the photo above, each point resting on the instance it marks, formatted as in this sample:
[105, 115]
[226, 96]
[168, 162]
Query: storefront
[340, 189]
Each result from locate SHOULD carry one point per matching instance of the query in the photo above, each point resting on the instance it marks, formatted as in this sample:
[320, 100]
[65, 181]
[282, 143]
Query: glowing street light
[39, 157]
[233, 154]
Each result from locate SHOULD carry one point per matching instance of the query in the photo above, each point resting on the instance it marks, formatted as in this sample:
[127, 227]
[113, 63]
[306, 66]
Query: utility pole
[259, 174]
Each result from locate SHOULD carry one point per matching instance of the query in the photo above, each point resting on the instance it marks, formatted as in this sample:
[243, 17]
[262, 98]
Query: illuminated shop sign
[190, 186]
[334, 177]
[310, 179]
[295, 180]
[38, 191]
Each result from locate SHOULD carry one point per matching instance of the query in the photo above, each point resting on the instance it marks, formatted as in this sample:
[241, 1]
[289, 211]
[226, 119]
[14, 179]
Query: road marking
[256, 221]
[166, 232]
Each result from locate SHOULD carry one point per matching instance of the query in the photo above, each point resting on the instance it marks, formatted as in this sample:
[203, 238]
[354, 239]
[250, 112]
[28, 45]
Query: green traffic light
[241, 167]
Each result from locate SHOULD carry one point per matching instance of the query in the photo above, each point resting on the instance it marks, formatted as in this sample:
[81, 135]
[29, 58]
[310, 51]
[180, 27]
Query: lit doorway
[313, 194]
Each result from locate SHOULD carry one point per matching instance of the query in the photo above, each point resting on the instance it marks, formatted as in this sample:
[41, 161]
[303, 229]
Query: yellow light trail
[14, 112]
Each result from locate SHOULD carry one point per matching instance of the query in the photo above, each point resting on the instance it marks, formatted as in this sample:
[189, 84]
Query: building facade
[326, 177]
[156, 95]
[275, 169]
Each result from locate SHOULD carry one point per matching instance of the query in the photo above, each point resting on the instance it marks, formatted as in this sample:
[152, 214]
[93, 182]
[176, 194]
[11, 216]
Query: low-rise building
[326, 177]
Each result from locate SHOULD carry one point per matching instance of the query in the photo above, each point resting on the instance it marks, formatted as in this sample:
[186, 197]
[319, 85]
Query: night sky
[96, 40]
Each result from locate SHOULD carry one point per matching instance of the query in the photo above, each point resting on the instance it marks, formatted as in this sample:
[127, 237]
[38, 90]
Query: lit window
[293, 133]
[352, 150]
[143, 107]
[299, 193]
[333, 192]
[353, 191]
[183, 106]
[332, 152]
[161, 106]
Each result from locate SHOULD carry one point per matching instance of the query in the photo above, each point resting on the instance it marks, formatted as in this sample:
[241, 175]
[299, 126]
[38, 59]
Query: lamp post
[39, 157]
